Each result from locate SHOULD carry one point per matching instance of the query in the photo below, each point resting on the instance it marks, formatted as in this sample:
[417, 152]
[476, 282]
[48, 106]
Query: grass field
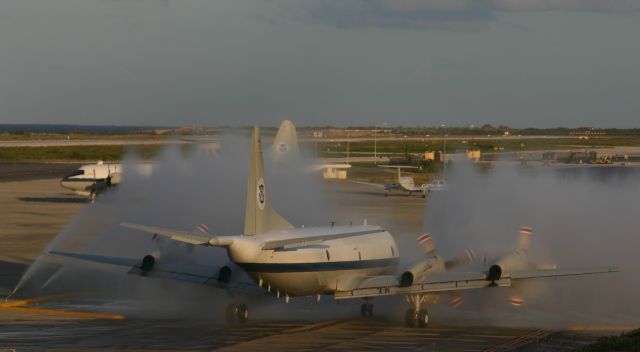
[76, 153]
[456, 145]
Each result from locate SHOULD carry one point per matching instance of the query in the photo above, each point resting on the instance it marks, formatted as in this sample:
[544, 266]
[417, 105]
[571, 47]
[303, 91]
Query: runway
[339, 335]
[35, 211]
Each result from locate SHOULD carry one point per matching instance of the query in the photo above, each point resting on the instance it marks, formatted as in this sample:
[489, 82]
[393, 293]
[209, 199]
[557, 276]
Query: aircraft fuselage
[333, 265]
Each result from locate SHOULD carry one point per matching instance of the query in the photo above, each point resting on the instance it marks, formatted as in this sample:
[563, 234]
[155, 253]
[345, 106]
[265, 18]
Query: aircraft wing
[198, 275]
[458, 281]
[183, 236]
[370, 184]
[541, 273]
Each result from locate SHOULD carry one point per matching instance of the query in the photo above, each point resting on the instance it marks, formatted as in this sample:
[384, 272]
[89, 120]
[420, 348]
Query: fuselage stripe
[319, 266]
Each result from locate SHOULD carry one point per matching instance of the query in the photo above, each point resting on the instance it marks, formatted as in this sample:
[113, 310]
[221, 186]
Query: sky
[522, 63]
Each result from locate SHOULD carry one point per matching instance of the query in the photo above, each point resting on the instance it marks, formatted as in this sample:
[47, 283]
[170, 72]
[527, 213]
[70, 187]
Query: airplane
[285, 145]
[348, 262]
[285, 150]
[404, 183]
[91, 179]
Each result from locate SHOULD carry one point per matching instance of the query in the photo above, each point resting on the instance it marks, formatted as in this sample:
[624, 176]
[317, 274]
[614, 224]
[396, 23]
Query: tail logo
[283, 148]
[260, 195]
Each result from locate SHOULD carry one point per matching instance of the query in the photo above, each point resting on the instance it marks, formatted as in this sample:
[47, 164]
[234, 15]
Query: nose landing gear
[416, 316]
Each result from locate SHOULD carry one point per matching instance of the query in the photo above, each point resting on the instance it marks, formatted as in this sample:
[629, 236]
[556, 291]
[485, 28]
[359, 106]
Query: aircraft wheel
[366, 310]
[410, 318]
[423, 318]
[231, 313]
[243, 313]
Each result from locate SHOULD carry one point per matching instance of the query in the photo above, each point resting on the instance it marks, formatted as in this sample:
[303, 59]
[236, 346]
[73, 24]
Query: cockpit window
[77, 173]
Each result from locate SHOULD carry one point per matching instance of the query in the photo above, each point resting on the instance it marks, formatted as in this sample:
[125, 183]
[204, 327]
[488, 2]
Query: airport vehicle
[344, 261]
[404, 183]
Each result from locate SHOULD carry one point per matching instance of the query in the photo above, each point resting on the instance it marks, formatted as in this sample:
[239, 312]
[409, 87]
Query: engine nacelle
[115, 178]
[421, 269]
[147, 263]
[406, 279]
[495, 273]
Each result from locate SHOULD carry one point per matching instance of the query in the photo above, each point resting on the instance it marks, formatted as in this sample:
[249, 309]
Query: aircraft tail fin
[260, 217]
[285, 145]
[525, 238]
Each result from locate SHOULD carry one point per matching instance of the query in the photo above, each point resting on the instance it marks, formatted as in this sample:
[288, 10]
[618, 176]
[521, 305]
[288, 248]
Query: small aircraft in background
[346, 262]
[90, 179]
[404, 183]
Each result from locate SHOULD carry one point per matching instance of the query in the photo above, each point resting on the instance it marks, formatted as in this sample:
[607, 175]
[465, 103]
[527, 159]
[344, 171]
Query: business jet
[404, 183]
[347, 262]
[91, 179]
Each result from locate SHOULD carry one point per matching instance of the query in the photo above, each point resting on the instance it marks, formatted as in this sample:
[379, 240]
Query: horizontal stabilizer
[306, 241]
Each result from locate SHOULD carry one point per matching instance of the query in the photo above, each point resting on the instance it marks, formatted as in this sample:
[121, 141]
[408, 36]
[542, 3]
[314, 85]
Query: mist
[187, 187]
[581, 217]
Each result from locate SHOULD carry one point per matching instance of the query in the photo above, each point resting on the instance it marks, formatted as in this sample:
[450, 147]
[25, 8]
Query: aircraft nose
[64, 183]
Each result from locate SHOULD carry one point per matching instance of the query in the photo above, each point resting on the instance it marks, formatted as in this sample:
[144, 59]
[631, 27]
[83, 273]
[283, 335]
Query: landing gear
[237, 313]
[367, 310]
[416, 316]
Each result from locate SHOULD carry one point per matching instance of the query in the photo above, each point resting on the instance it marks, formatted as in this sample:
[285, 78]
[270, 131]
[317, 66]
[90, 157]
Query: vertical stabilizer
[524, 239]
[259, 216]
[285, 145]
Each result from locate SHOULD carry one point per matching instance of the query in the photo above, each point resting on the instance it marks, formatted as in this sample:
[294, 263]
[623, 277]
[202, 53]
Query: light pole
[348, 138]
[444, 149]
[375, 146]
[375, 143]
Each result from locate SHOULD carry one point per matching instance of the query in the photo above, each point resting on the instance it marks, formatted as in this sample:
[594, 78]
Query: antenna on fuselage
[259, 216]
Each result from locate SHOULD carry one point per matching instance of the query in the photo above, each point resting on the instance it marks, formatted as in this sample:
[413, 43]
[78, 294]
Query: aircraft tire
[410, 318]
[366, 310]
[423, 318]
[231, 313]
[243, 313]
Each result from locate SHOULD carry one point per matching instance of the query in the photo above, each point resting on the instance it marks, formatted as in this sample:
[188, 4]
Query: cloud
[438, 14]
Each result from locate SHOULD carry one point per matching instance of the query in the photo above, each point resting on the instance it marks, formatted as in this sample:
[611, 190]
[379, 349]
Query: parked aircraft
[344, 261]
[91, 179]
[404, 183]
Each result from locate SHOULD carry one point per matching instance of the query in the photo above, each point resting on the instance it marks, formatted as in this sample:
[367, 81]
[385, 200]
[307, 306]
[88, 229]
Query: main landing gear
[237, 313]
[366, 310]
[416, 316]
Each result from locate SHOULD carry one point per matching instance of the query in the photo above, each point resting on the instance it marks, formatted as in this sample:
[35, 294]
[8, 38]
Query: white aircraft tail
[285, 145]
[260, 217]
[525, 238]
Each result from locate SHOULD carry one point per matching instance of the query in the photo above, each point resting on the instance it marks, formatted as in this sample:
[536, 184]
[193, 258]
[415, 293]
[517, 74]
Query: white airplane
[404, 183]
[285, 150]
[91, 179]
[344, 261]
[285, 146]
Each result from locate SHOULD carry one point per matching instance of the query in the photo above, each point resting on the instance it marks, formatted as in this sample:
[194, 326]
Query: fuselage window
[328, 256]
[393, 252]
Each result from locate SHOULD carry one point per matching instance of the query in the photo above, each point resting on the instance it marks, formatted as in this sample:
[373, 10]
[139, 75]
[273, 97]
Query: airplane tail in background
[525, 238]
[285, 145]
[260, 217]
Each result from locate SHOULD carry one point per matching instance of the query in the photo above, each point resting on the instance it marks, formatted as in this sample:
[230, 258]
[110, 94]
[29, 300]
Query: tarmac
[35, 210]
